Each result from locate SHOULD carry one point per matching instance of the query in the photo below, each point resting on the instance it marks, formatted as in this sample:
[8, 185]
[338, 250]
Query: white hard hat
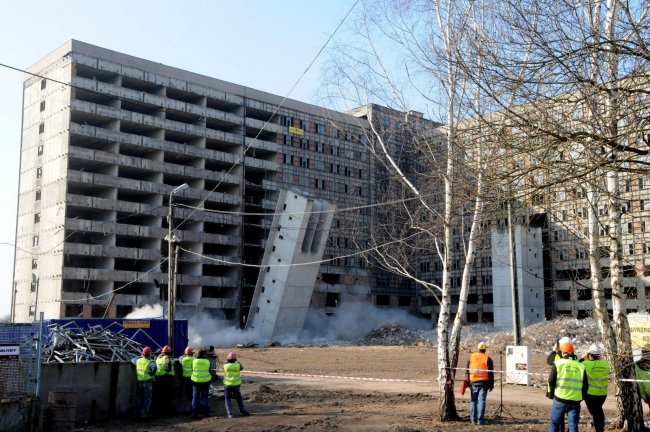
[594, 349]
[564, 340]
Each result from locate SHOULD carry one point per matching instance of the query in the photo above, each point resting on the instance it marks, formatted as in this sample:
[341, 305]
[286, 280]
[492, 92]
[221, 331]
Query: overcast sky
[263, 44]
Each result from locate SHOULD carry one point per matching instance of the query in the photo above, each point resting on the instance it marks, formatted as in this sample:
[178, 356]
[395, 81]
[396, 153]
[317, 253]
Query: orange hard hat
[567, 347]
[232, 356]
[166, 349]
[146, 351]
[189, 351]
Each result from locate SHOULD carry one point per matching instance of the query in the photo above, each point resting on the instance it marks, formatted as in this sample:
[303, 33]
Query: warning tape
[349, 378]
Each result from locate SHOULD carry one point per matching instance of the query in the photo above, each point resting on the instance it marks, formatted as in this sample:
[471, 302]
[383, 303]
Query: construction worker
[186, 361]
[642, 373]
[567, 385]
[232, 384]
[164, 382]
[145, 368]
[597, 371]
[480, 376]
[201, 378]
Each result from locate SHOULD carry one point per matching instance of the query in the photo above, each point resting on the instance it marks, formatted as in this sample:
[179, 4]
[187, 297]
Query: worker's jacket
[186, 362]
[231, 376]
[165, 365]
[567, 381]
[143, 369]
[643, 375]
[201, 371]
[598, 376]
[478, 367]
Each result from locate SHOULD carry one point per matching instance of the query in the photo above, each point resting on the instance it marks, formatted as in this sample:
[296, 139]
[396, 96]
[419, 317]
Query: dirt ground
[303, 389]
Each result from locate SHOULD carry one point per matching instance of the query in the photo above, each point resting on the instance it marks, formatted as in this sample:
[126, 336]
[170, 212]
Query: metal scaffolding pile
[70, 343]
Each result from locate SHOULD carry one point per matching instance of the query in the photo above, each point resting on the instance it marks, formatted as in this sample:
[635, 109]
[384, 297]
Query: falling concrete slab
[290, 265]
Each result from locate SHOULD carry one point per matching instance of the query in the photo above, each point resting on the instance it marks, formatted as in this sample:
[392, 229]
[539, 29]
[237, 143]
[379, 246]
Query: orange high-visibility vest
[478, 367]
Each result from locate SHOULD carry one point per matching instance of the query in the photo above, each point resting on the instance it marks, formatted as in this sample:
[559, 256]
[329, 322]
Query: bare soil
[302, 389]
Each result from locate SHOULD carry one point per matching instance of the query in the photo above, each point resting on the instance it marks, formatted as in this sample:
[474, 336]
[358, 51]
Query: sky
[263, 44]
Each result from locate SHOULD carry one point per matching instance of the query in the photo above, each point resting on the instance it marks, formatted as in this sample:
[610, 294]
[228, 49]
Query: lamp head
[180, 188]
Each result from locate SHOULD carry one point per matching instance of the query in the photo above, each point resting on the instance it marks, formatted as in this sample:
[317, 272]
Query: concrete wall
[15, 414]
[530, 281]
[103, 390]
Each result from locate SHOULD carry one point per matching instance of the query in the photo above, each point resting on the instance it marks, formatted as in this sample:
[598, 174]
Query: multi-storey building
[107, 137]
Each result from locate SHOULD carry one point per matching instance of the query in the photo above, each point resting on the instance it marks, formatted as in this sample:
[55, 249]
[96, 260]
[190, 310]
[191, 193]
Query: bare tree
[578, 71]
[440, 174]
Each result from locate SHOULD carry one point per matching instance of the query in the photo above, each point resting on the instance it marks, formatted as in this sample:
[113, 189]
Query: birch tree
[432, 169]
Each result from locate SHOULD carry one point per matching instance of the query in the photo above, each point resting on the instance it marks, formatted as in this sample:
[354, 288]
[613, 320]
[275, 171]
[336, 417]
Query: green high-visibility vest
[644, 375]
[570, 376]
[597, 374]
[201, 371]
[162, 361]
[186, 362]
[142, 369]
[231, 376]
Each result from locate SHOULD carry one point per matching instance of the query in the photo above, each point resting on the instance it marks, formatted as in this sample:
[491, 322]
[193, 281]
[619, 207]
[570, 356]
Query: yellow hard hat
[482, 346]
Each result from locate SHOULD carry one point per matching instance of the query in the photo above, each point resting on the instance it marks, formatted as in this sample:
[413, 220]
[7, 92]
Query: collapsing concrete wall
[290, 265]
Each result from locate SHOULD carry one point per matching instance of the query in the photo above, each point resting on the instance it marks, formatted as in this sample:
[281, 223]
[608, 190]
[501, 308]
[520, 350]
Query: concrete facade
[107, 136]
[283, 293]
[529, 272]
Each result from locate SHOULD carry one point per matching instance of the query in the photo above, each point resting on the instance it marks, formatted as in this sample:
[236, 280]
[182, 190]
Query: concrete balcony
[112, 252]
[262, 144]
[261, 164]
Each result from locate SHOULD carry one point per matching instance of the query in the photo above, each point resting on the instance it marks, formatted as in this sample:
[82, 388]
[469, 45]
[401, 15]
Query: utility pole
[172, 256]
[513, 277]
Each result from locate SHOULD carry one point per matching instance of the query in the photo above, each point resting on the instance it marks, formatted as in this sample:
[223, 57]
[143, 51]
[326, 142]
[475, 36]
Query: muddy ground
[301, 389]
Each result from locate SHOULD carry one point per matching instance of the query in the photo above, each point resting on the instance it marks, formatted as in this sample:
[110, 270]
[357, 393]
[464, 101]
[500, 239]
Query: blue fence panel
[18, 359]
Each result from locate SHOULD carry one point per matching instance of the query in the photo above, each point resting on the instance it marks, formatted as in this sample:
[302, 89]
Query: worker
[164, 382]
[480, 375]
[145, 368]
[597, 371]
[186, 361]
[201, 378]
[642, 373]
[232, 384]
[567, 386]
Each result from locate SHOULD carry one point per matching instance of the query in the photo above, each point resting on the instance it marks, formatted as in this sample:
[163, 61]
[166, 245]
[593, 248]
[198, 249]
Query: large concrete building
[106, 138]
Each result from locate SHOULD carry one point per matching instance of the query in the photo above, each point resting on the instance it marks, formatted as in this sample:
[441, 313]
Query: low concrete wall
[15, 414]
[102, 390]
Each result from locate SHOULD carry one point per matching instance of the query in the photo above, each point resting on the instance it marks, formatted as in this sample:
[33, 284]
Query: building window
[320, 129]
[32, 309]
[34, 286]
[304, 162]
[43, 84]
[40, 150]
[41, 128]
[304, 144]
[38, 195]
[629, 249]
[335, 150]
[34, 264]
[288, 121]
[320, 148]
[42, 106]
[288, 159]
[37, 217]
[39, 172]
[287, 140]
[35, 241]
[644, 205]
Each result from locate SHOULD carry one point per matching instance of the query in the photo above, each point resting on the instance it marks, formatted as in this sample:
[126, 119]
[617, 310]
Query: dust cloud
[350, 321]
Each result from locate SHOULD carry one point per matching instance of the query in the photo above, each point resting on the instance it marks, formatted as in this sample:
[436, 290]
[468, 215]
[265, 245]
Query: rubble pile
[72, 344]
[539, 337]
[396, 334]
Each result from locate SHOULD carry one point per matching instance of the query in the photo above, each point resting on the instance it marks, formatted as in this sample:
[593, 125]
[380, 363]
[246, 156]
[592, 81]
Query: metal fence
[19, 365]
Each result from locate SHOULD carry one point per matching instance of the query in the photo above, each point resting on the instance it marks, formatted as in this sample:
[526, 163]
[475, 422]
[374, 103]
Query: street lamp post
[172, 256]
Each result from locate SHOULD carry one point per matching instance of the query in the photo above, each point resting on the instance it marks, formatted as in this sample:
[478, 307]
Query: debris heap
[72, 344]
[396, 334]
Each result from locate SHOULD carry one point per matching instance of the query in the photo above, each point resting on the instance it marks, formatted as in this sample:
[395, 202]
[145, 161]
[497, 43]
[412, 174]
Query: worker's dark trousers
[595, 407]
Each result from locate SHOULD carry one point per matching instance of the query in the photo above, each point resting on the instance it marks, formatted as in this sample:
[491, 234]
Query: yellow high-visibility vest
[597, 374]
[201, 370]
[570, 376]
[142, 369]
[231, 376]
